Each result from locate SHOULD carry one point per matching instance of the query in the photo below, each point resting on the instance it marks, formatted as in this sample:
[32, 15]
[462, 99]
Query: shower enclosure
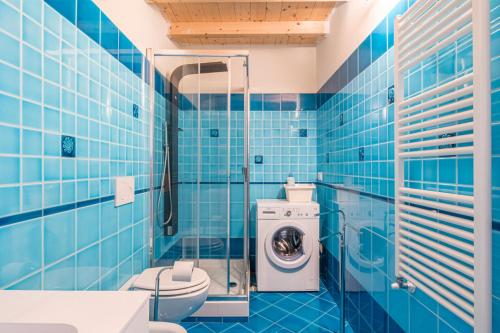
[199, 165]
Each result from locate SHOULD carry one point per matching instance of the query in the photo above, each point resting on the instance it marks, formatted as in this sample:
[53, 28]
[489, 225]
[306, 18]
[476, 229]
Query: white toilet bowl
[178, 299]
[162, 327]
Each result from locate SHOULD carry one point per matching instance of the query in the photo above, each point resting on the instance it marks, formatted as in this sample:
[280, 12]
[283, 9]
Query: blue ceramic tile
[256, 103]
[34, 282]
[51, 168]
[10, 85]
[10, 49]
[273, 313]
[364, 54]
[10, 170]
[259, 159]
[67, 8]
[126, 49]
[32, 170]
[109, 36]
[11, 200]
[352, 66]
[293, 323]
[137, 60]
[237, 102]
[51, 145]
[33, 9]
[109, 254]
[87, 221]
[52, 20]
[32, 60]
[10, 140]
[125, 244]
[52, 195]
[51, 119]
[51, 69]
[68, 169]
[110, 281]
[257, 323]
[68, 146]
[214, 133]
[87, 267]
[218, 102]
[289, 102]
[9, 19]
[32, 88]
[32, 34]
[51, 44]
[390, 95]
[379, 40]
[59, 236]
[88, 19]
[32, 197]
[138, 233]
[68, 192]
[32, 115]
[303, 132]
[272, 102]
[447, 171]
[61, 276]
[307, 102]
[19, 243]
[9, 109]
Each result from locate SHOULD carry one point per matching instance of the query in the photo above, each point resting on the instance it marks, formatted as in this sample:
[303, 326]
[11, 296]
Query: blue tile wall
[59, 228]
[354, 116]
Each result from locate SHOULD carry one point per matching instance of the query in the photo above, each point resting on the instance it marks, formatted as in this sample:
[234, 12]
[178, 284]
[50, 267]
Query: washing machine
[287, 246]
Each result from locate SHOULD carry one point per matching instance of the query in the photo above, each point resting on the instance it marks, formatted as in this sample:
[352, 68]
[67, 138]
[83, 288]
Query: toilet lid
[147, 280]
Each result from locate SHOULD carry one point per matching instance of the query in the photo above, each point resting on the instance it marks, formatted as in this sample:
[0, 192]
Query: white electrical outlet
[320, 176]
[124, 190]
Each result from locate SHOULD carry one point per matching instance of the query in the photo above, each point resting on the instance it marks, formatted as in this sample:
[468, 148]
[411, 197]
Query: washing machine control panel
[289, 211]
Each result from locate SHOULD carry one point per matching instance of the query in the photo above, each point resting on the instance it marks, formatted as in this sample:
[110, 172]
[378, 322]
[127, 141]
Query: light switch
[124, 190]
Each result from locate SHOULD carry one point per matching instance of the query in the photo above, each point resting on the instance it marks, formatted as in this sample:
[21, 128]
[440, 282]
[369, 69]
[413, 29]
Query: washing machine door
[288, 245]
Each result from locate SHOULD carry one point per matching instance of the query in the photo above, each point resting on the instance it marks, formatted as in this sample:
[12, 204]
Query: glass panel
[201, 196]
[214, 167]
[238, 225]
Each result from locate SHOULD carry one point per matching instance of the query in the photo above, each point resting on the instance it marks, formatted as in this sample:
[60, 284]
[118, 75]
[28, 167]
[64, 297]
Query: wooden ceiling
[223, 22]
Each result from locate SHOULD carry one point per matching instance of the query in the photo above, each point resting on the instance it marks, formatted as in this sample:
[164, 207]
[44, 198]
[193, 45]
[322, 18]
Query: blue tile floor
[281, 312]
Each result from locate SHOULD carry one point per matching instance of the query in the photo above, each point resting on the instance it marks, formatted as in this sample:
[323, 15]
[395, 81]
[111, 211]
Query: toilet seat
[147, 280]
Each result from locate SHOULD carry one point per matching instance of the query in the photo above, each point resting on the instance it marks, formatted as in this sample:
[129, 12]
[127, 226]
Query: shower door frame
[151, 54]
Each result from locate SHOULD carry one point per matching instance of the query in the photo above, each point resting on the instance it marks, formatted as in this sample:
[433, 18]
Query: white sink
[35, 311]
[299, 192]
[37, 328]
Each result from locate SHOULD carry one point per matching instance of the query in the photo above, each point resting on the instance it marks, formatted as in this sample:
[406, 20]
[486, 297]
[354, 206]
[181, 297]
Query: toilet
[163, 327]
[178, 299]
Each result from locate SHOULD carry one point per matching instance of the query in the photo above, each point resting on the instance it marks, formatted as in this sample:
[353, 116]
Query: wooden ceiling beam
[304, 29]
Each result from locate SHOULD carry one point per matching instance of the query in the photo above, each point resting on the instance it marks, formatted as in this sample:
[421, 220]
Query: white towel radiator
[443, 236]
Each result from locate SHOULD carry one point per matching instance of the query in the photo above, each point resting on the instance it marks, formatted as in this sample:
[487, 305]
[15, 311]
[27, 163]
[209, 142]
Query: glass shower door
[214, 168]
[206, 132]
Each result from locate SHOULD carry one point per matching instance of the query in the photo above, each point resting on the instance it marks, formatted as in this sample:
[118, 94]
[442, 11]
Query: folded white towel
[182, 271]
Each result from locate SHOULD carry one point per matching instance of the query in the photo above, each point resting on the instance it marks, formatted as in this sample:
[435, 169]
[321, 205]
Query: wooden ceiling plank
[227, 11]
[273, 11]
[257, 11]
[211, 11]
[242, 10]
[215, 29]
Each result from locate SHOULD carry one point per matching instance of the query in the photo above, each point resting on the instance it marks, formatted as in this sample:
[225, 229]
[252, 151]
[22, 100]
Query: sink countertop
[87, 311]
